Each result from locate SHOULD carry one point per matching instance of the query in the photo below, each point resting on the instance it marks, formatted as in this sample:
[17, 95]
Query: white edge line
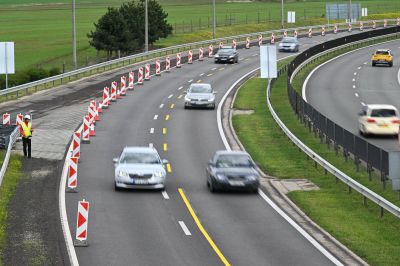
[63, 210]
[152, 130]
[184, 228]
[398, 76]
[304, 88]
[299, 229]
[318, 246]
[165, 194]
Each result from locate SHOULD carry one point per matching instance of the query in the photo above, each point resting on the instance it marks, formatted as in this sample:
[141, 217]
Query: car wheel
[373, 64]
[391, 64]
[211, 187]
[254, 190]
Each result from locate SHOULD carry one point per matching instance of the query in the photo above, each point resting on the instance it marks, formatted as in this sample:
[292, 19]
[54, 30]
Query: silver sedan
[200, 95]
[141, 168]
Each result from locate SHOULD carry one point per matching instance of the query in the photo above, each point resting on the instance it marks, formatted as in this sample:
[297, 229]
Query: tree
[123, 29]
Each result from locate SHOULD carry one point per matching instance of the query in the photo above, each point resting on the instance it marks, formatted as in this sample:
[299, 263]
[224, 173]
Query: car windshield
[383, 113]
[227, 161]
[226, 50]
[382, 52]
[289, 40]
[139, 158]
[200, 89]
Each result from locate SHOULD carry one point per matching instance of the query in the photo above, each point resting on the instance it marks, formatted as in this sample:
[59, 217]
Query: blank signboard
[7, 65]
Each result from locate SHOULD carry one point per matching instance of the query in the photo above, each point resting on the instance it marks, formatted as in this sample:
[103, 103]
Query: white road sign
[7, 65]
[268, 62]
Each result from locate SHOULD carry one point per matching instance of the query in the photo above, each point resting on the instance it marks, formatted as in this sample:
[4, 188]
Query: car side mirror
[115, 160]
[210, 163]
[165, 161]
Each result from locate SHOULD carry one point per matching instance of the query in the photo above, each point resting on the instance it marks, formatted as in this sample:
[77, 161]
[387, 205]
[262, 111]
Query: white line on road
[363, 104]
[169, 97]
[152, 130]
[184, 228]
[354, 80]
[356, 94]
[161, 105]
[202, 74]
[213, 68]
[398, 76]
[155, 117]
[355, 73]
[165, 194]
[359, 67]
[365, 63]
[190, 80]
[354, 86]
[181, 87]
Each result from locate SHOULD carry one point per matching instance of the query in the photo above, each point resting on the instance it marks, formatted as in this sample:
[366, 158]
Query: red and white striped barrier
[131, 80]
[234, 44]
[398, 22]
[106, 97]
[168, 64]
[272, 38]
[190, 57]
[201, 54]
[72, 183]
[350, 27]
[86, 129]
[374, 24]
[6, 119]
[220, 45]
[113, 91]
[158, 67]
[95, 110]
[19, 119]
[310, 33]
[385, 23]
[140, 76]
[335, 29]
[178, 60]
[295, 33]
[210, 50]
[147, 72]
[76, 145]
[123, 86]
[82, 221]
[91, 131]
[361, 26]
[260, 40]
[285, 34]
[91, 115]
[323, 31]
[247, 43]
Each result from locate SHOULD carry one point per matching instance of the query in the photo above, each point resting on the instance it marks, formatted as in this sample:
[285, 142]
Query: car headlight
[158, 174]
[216, 55]
[231, 56]
[220, 177]
[122, 173]
[211, 99]
[281, 45]
[252, 177]
[293, 45]
[187, 99]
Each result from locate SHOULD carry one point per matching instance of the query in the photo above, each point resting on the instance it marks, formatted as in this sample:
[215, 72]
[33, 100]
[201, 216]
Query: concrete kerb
[291, 209]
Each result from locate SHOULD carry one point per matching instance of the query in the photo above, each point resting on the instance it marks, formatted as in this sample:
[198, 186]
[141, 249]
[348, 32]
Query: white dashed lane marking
[155, 117]
[356, 94]
[180, 88]
[169, 97]
[152, 130]
[165, 194]
[161, 106]
[184, 228]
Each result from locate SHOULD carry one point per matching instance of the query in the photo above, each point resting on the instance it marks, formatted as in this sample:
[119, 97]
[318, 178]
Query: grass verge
[332, 207]
[7, 189]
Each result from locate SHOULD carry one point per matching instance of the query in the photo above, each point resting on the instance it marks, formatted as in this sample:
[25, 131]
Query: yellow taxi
[382, 56]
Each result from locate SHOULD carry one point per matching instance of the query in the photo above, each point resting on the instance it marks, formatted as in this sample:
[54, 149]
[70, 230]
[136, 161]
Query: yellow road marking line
[166, 117]
[202, 230]
[164, 130]
[199, 81]
[172, 106]
[169, 170]
[180, 96]
[222, 68]
[209, 75]
[165, 147]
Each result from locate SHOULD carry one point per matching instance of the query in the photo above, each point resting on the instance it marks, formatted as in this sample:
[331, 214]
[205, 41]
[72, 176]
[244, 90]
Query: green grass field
[42, 29]
[332, 207]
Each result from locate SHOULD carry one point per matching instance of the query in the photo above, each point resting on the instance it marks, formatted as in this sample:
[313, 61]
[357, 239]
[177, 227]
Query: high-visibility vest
[27, 129]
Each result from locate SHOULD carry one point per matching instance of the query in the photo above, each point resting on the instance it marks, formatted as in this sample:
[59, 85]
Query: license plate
[236, 183]
[383, 125]
[140, 182]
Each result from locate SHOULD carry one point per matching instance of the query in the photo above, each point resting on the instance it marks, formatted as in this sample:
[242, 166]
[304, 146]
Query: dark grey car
[289, 44]
[232, 170]
[226, 54]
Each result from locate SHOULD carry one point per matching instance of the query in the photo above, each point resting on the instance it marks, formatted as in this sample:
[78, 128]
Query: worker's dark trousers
[27, 146]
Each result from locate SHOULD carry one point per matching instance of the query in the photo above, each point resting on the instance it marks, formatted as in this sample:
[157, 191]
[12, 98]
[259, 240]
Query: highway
[339, 88]
[156, 228]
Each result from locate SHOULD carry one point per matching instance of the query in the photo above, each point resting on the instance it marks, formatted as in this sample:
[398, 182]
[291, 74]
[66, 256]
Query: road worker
[25, 129]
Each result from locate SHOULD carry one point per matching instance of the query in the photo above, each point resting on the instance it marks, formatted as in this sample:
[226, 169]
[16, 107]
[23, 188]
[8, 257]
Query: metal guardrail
[13, 137]
[352, 184]
[133, 59]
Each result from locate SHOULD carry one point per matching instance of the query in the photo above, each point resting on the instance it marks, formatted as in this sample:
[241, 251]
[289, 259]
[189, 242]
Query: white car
[379, 119]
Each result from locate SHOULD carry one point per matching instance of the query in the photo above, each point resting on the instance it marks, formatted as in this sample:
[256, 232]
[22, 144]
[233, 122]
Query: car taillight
[396, 121]
[370, 120]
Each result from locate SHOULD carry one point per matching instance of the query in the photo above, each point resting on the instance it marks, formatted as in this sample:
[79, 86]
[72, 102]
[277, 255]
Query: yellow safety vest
[27, 129]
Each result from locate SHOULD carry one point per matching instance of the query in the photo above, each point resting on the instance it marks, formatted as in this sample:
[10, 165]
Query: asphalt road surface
[154, 228]
[340, 88]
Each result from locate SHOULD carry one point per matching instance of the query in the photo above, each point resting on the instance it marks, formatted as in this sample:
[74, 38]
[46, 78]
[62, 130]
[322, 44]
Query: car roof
[289, 38]
[226, 47]
[139, 149]
[200, 84]
[226, 152]
[381, 106]
[383, 50]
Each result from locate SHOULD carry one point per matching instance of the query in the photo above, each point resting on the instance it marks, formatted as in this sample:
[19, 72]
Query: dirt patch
[34, 234]
[242, 112]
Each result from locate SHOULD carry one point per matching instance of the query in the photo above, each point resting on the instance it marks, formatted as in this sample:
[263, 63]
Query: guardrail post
[350, 189]
[365, 201]
[382, 212]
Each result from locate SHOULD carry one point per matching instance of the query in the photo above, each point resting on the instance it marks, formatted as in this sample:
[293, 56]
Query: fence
[373, 156]
[13, 137]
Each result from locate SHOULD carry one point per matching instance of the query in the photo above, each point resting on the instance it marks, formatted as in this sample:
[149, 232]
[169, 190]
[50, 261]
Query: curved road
[339, 88]
[153, 228]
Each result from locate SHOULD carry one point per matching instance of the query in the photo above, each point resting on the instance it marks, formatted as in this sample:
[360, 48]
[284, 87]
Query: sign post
[7, 65]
